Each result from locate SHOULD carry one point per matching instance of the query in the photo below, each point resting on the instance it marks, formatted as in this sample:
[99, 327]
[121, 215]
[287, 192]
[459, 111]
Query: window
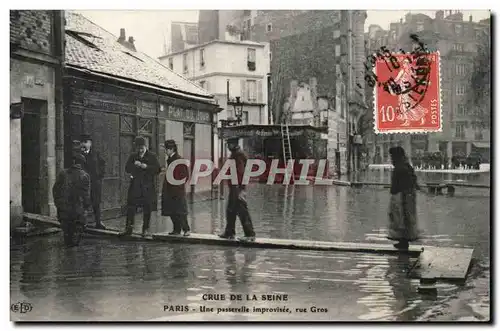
[270, 56]
[336, 34]
[337, 50]
[244, 117]
[203, 84]
[420, 27]
[202, 58]
[393, 35]
[269, 27]
[460, 89]
[251, 59]
[458, 29]
[251, 93]
[337, 69]
[185, 62]
[171, 63]
[461, 110]
[460, 130]
[460, 69]
[478, 135]
[458, 47]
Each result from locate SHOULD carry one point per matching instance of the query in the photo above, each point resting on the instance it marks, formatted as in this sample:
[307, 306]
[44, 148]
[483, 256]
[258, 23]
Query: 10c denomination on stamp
[408, 94]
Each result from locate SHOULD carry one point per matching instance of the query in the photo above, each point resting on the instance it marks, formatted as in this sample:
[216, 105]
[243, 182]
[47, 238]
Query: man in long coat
[143, 167]
[173, 197]
[71, 193]
[237, 203]
[94, 166]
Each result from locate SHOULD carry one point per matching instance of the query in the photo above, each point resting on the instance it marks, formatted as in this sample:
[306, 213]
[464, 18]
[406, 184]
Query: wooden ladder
[285, 139]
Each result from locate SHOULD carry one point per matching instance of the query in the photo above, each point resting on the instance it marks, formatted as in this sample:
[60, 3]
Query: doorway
[31, 142]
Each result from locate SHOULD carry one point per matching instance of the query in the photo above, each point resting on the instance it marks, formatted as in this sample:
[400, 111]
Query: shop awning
[481, 145]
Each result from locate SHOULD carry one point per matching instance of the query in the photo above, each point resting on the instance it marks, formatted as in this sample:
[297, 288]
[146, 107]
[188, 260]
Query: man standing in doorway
[143, 167]
[94, 166]
[237, 202]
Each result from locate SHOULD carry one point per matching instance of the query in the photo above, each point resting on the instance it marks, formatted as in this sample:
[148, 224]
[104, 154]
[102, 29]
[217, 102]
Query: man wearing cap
[173, 198]
[94, 166]
[237, 203]
[71, 193]
[143, 167]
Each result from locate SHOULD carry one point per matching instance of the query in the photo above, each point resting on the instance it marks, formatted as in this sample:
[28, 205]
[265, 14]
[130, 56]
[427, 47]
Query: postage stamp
[407, 93]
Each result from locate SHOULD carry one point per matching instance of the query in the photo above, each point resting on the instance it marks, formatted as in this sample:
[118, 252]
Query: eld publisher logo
[21, 307]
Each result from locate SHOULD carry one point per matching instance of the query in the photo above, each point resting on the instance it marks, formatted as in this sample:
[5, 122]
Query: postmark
[407, 93]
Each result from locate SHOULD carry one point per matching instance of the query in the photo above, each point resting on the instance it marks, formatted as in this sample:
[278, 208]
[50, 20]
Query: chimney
[401, 21]
[131, 40]
[440, 15]
[122, 35]
[470, 18]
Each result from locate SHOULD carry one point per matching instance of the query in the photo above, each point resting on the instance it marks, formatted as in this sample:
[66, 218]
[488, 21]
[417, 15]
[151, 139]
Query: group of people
[437, 160]
[78, 189]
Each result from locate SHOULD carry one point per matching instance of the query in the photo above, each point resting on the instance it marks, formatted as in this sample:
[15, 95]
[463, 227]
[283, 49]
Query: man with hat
[237, 203]
[71, 193]
[173, 198]
[94, 166]
[143, 167]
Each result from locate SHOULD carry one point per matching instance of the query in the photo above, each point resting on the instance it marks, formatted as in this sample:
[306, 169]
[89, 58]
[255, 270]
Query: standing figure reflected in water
[237, 203]
[173, 198]
[143, 167]
[71, 193]
[94, 166]
[403, 203]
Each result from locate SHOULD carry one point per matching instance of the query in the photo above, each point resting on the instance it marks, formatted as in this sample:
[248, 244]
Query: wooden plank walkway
[441, 263]
[444, 263]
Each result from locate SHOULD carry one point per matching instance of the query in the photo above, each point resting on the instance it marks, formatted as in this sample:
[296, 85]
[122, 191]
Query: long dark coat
[173, 198]
[403, 204]
[95, 166]
[71, 193]
[142, 185]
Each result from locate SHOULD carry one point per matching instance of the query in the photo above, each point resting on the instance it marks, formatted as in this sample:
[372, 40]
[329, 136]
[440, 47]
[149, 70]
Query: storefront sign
[146, 107]
[258, 132]
[187, 115]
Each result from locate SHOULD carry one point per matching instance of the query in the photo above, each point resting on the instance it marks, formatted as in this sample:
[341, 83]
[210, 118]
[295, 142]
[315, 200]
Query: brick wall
[32, 30]
[302, 57]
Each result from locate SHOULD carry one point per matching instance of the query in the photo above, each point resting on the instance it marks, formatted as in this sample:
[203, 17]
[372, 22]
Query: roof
[229, 42]
[90, 47]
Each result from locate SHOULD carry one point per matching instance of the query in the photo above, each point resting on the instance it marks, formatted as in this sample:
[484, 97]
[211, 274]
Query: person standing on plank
[173, 198]
[94, 166]
[237, 203]
[143, 167]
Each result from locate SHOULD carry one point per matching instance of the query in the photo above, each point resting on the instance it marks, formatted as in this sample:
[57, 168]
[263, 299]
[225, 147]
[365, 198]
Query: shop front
[114, 113]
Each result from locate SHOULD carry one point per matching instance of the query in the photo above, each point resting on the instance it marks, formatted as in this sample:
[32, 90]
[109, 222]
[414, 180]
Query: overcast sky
[150, 28]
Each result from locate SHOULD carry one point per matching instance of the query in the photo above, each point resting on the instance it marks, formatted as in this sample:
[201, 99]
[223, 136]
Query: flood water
[108, 279]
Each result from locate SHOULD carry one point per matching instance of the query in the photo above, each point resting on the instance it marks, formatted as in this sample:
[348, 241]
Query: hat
[170, 144]
[140, 141]
[85, 137]
[78, 158]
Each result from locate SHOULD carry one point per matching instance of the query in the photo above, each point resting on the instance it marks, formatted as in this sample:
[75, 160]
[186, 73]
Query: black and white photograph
[250, 165]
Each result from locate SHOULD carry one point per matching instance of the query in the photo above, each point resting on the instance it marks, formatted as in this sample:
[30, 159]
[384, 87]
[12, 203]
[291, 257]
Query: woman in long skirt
[403, 204]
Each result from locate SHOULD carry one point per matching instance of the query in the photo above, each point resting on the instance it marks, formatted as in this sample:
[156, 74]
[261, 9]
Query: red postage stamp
[408, 94]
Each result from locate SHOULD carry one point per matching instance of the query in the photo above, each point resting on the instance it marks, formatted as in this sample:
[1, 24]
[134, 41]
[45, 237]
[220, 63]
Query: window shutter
[243, 94]
[259, 92]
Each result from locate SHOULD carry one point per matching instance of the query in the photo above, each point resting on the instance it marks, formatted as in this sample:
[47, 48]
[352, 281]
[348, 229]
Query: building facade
[183, 35]
[228, 69]
[317, 74]
[457, 41]
[36, 145]
[115, 94]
